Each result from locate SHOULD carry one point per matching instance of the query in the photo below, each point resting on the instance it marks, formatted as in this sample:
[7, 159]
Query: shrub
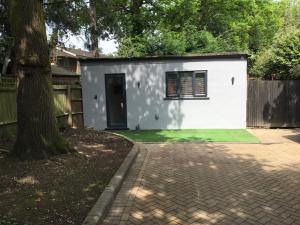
[280, 61]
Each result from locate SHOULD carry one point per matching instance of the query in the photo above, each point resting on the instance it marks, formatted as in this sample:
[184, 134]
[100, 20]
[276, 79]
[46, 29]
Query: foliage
[74, 17]
[3, 30]
[286, 54]
[170, 43]
[203, 41]
[202, 26]
[292, 13]
[5, 220]
[64, 17]
[134, 18]
[261, 63]
[3, 16]
[282, 59]
[295, 70]
[175, 27]
[132, 47]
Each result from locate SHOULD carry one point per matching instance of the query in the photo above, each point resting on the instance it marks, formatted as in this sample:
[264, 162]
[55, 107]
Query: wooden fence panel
[294, 103]
[8, 106]
[273, 103]
[76, 93]
[67, 101]
[60, 101]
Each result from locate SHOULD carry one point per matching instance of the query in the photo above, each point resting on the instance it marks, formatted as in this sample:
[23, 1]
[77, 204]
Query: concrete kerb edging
[103, 204]
[121, 135]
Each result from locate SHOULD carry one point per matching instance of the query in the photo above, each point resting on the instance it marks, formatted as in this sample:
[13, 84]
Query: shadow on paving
[212, 184]
[295, 136]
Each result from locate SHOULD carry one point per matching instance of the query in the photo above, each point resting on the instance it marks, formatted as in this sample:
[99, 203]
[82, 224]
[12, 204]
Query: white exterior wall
[226, 107]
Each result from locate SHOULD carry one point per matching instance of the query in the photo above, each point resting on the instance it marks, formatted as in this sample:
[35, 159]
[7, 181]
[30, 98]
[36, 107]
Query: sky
[108, 47]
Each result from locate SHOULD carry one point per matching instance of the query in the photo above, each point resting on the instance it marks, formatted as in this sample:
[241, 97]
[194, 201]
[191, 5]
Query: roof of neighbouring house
[218, 55]
[59, 71]
[75, 53]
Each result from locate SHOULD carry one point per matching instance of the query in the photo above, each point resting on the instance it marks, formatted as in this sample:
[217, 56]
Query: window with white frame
[186, 84]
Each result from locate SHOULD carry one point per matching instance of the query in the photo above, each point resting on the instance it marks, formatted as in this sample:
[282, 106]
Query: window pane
[199, 85]
[186, 83]
[171, 84]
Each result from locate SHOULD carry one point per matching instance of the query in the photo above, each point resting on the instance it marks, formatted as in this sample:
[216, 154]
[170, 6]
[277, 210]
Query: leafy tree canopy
[176, 27]
[201, 26]
[282, 59]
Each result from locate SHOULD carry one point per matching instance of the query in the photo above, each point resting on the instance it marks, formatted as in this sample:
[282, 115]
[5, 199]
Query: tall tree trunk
[137, 23]
[53, 44]
[37, 136]
[93, 28]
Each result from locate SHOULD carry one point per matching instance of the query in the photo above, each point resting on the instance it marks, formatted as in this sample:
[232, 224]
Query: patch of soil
[62, 190]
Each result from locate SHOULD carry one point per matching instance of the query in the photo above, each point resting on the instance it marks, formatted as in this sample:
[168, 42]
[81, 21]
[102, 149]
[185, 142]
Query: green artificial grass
[206, 135]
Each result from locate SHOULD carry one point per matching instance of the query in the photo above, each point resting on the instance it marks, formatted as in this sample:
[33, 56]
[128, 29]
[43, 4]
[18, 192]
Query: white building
[172, 92]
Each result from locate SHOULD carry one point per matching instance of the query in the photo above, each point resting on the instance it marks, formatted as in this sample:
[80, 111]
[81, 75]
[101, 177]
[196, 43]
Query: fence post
[69, 102]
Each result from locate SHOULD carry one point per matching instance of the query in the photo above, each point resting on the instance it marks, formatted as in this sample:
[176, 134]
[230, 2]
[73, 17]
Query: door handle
[122, 105]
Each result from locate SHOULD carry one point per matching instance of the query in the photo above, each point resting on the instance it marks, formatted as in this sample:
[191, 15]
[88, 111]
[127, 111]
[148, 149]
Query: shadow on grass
[215, 184]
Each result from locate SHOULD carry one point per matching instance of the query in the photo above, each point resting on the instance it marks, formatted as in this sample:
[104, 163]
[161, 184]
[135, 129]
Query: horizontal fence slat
[3, 89]
[77, 113]
[8, 123]
[62, 115]
[76, 100]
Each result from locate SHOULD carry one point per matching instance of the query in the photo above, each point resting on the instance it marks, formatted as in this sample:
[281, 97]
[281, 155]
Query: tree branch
[60, 2]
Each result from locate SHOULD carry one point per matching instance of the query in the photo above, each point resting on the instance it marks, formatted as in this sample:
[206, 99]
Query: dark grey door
[115, 88]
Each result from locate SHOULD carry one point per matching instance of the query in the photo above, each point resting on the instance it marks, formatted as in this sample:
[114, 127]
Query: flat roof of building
[218, 55]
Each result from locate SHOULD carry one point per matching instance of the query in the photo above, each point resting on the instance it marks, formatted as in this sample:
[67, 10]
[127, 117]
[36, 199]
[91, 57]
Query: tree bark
[37, 136]
[93, 28]
[137, 23]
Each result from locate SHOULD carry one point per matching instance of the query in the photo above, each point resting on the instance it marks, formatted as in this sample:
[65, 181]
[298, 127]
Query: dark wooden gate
[273, 103]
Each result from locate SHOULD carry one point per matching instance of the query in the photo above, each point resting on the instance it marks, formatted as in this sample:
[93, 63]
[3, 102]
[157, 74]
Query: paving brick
[209, 183]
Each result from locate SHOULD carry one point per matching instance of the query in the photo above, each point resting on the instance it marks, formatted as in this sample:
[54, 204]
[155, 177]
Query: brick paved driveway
[211, 184]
